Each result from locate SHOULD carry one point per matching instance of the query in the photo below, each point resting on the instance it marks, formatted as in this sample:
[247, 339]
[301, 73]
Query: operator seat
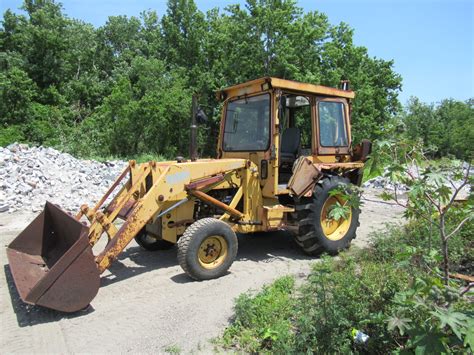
[290, 145]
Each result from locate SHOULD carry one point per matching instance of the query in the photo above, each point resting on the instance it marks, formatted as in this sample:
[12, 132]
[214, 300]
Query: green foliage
[125, 88]
[17, 92]
[46, 126]
[349, 197]
[173, 349]
[11, 134]
[427, 314]
[433, 190]
[447, 127]
[262, 321]
[340, 296]
[388, 292]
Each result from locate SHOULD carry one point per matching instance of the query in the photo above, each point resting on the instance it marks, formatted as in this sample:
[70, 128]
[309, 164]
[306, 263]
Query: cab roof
[258, 85]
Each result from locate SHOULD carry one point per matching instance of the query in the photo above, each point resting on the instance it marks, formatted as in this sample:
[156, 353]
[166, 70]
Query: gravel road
[146, 304]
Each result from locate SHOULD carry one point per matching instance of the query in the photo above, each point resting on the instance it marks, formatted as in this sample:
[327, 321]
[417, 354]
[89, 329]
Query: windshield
[332, 128]
[247, 124]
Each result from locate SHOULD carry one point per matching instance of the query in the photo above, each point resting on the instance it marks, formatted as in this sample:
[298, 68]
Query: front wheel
[207, 249]
[317, 232]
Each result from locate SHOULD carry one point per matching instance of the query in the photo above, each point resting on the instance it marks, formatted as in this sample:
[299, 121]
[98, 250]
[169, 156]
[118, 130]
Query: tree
[17, 92]
[44, 43]
[183, 29]
[458, 133]
[79, 75]
[448, 128]
[147, 111]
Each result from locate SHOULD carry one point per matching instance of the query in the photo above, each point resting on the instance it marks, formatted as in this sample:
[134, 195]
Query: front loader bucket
[52, 262]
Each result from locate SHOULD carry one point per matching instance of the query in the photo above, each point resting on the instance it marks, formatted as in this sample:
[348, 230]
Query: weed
[173, 349]
[262, 321]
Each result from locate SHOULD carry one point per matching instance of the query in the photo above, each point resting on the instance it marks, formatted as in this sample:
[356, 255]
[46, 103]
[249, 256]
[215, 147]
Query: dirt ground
[146, 304]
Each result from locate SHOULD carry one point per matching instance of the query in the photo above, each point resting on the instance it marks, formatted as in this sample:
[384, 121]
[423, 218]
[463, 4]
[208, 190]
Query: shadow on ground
[28, 315]
[256, 247]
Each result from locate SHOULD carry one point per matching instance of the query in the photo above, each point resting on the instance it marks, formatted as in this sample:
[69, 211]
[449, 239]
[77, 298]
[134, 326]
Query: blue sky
[431, 41]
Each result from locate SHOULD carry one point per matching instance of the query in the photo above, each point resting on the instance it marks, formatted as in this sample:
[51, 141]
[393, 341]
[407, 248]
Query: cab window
[247, 124]
[332, 125]
[299, 116]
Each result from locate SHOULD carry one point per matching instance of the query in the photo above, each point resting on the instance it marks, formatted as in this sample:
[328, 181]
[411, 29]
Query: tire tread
[308, 238]
[184, 245]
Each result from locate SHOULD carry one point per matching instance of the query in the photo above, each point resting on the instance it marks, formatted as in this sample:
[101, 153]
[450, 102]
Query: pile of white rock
[30, 176]
[383, 182]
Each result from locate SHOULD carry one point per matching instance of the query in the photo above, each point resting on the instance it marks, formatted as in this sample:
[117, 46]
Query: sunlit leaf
[452, 319]
[400, 323]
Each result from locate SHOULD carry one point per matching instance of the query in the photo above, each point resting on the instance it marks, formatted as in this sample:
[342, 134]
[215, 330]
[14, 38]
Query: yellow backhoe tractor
[284, 147]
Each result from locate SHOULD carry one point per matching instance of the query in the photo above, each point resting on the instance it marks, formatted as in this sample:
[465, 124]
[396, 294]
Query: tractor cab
[274, 122]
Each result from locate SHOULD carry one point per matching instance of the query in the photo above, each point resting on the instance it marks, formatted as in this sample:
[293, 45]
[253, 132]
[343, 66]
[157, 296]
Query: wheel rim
[212, 252]
[334, 229]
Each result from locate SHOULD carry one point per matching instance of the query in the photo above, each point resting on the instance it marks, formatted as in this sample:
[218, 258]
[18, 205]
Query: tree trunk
[445, 261]
[444, 246]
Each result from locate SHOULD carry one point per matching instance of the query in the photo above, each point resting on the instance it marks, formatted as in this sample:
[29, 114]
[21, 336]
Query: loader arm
[168, 183]
[52, 261]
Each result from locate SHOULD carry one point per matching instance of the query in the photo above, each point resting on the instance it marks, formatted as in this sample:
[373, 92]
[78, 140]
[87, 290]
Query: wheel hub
[212, 252]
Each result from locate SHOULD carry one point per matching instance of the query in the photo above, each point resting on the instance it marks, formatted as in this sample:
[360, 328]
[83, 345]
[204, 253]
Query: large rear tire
[316, 232]
[207, 249]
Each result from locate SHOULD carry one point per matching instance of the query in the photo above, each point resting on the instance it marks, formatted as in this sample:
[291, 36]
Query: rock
[31, 175]
[31, 183]
[4, 207]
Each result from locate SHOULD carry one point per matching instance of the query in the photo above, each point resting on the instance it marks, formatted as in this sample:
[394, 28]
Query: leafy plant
[388, 292]
[173, 349]
[350, 196]
[263, 321]
[427, 314]
[433, 189]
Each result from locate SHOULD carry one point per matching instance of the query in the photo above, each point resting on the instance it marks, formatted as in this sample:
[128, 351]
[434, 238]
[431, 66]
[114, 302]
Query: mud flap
[52, 262]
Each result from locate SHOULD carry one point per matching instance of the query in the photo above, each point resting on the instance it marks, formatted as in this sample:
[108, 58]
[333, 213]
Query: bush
[46, 126]
[11, 134]
[431, 318]
[343, 295]
[392, 291]
[413, 244]
[262, 321]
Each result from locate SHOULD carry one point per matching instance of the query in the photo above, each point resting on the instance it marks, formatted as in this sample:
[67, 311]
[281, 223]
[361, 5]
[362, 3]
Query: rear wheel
[318, 232]
[148, 242]
[207, 249]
